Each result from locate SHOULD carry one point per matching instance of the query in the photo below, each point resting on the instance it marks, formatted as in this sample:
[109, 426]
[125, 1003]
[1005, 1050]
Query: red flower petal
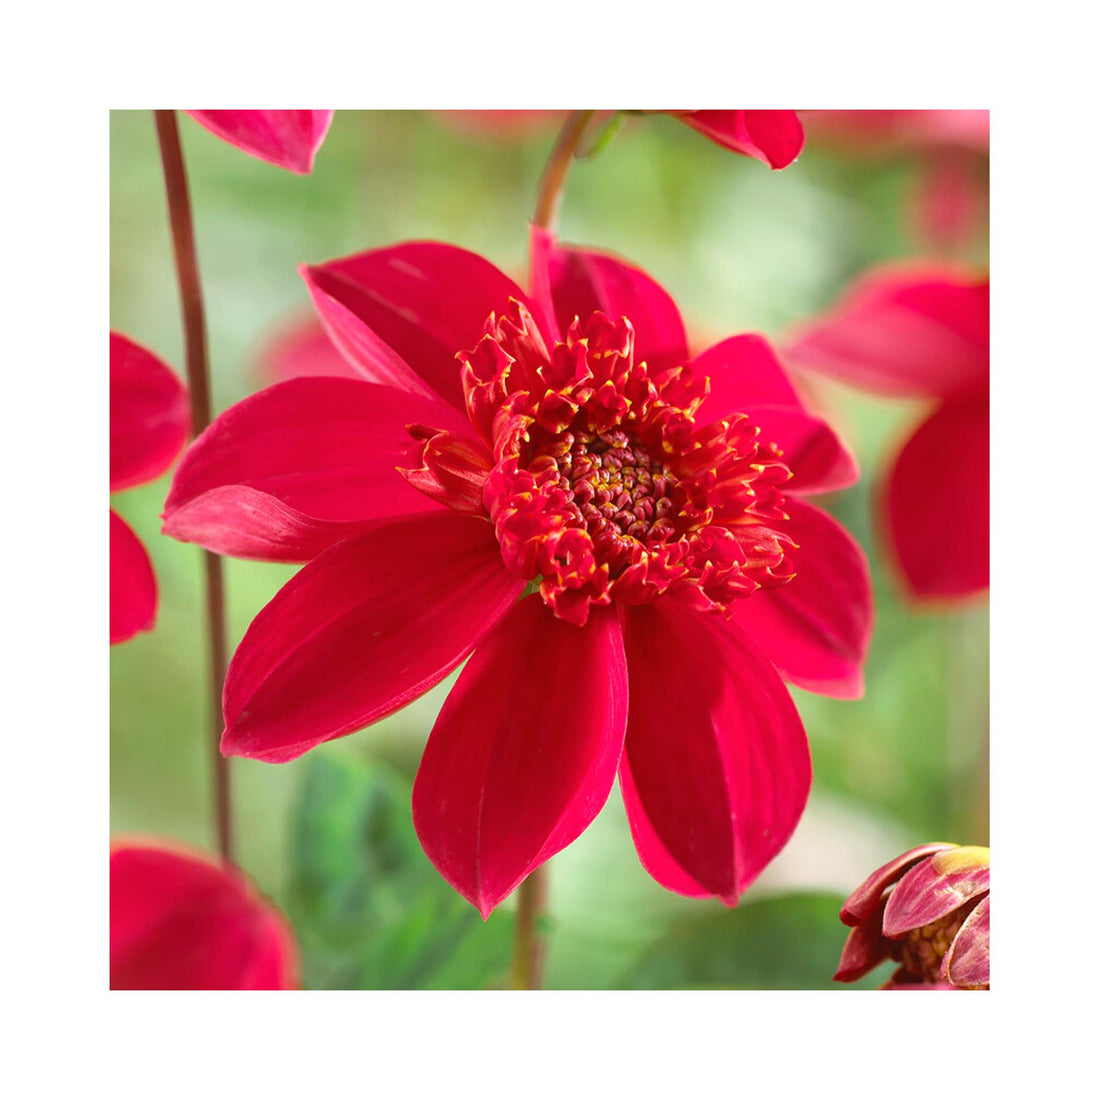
[864, 949]
[302, 349]
[967, 960]
[719, 765]
[133, 586]
[934, 888]
[402, 313]
[903, 331]
[582, 280]
[363, 629]
[181, 921]
[149, 416]
[524, 753]
[746, 377]
[937, 503]
[816, 628]
[289, 139]
[774, 137]
[866, 897]
[283, 474]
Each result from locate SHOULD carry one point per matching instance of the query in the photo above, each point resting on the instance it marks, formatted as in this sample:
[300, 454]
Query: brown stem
[557, 168]
[198, 379]
[528, 952]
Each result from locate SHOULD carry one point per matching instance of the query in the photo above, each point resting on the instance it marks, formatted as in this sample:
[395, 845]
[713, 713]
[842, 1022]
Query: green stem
[552, 184]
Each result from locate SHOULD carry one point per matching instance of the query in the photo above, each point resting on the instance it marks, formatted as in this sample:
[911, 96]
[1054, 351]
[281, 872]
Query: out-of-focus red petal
[524, 753]
[774, 137]
[866, 897]
[149, 415]
[864, 949]
[302, 349]
[816, 628]
[290, 470]
[746, 377]
[718, 759]
[133, 585]
[582, 280]
[891, 131]
[401, 314]
[363, 629]
[935, 887]
[903, 330]
[181, 921]
[289, 139]
[937, 505]
[967, 960]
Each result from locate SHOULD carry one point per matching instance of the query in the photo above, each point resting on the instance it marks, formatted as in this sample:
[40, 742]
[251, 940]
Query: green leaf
[370, 911]
[788, 942]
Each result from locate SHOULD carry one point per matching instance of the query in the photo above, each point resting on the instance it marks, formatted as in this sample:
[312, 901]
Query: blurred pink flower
[922, 331]
[934, 921]
[180, 920]
[149, 423]
[289, 139]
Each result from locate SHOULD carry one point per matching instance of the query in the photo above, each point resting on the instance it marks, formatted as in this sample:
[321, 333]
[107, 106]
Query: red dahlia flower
[289, 139]
[179, 920]
[934, 922]
[655, 504]
[922, 332]
[149, 423]
[774, 137]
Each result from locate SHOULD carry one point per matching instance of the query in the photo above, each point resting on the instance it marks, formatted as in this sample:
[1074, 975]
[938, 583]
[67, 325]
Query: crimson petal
[938, 503]
[934, 888]
[816, 628]
[867, 896]
[524, 753]
[149, 416]
[967, 960]
[133, 585]
[289, 139]
[297, 467]
[774, 137]
[363, 629]
[719, 765]
[864, 949]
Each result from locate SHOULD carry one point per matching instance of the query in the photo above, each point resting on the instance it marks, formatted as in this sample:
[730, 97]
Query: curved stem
[527, 956]
[552, 183]
[198, 380]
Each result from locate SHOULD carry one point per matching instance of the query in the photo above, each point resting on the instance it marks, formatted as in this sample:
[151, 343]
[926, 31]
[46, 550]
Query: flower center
[923, 949]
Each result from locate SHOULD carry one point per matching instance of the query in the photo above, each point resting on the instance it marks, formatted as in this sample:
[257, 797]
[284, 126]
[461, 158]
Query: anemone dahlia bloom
[922, 332]
[180, 920]
[562, 441]
[929, 911]
[149, 424]
[289, 139]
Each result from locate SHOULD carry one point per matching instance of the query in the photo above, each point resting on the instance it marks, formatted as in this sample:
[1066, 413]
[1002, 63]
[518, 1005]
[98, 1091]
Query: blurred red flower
[179, 920]
[657, 504]
[911, 331]
[934, 922]
[149, 423]
[289, 139]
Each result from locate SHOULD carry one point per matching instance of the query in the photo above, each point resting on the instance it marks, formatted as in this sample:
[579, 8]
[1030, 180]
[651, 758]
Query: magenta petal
[867, 896]
[774, 137]
[864, 949]
[926, 893]
[903, 331]
[401, 314]
[816, 628]
[181, 921]
[938, 503]
[149, 415]
[524, 753]
[363, 629]
[719, 765]
[302, 349]
[967, 960]
[133, 586]
[582, 281]
[298, 466]
[289, 139]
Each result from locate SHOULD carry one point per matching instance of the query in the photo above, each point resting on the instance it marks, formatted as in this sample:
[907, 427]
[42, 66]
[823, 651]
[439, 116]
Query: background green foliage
[329, 836]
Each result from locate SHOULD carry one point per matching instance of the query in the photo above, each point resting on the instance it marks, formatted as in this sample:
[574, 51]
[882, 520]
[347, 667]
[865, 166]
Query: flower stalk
[198, 377]
[552, 184]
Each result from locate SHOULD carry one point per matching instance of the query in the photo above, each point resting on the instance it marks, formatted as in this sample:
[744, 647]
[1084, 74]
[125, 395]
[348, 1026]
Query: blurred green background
[328, 837]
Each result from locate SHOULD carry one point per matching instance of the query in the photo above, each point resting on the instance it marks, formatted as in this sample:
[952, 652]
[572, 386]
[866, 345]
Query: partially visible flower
[289, 139]
[773, 137]
[149, 422]
[180, 920]
[908, 331]
[928, 910]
